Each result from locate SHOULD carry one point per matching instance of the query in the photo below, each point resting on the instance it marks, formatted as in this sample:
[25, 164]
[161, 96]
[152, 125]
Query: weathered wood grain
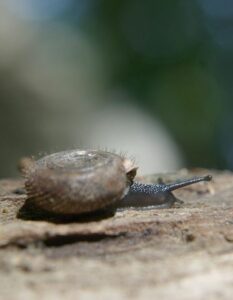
[181, 253]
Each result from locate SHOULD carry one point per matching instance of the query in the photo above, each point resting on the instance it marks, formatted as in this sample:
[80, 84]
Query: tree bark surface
[185, 252]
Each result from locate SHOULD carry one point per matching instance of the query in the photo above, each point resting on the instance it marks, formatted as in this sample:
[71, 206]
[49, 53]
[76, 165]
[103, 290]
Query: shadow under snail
[85, 181]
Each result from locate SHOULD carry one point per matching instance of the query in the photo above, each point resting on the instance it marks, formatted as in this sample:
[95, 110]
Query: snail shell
[78, 181]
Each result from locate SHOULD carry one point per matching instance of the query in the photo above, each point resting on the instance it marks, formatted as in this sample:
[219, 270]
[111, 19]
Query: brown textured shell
[78, 181]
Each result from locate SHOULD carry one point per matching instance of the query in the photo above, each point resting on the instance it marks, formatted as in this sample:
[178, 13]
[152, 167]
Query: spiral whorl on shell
[78, 181]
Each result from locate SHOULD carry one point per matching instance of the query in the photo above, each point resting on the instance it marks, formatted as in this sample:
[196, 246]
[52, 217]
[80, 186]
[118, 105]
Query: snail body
[84, 181]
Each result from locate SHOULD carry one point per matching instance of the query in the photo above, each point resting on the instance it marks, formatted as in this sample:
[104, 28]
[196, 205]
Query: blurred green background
[152, 79]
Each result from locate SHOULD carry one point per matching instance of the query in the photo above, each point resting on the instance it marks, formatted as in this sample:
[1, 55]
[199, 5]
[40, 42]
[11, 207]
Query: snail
[86, 181]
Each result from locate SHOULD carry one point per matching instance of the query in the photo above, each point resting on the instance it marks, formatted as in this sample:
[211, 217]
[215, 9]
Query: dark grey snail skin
[156, 195]
[85, 181]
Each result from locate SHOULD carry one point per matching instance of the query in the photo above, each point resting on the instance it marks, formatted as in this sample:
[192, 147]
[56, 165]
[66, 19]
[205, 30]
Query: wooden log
[185, 252]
